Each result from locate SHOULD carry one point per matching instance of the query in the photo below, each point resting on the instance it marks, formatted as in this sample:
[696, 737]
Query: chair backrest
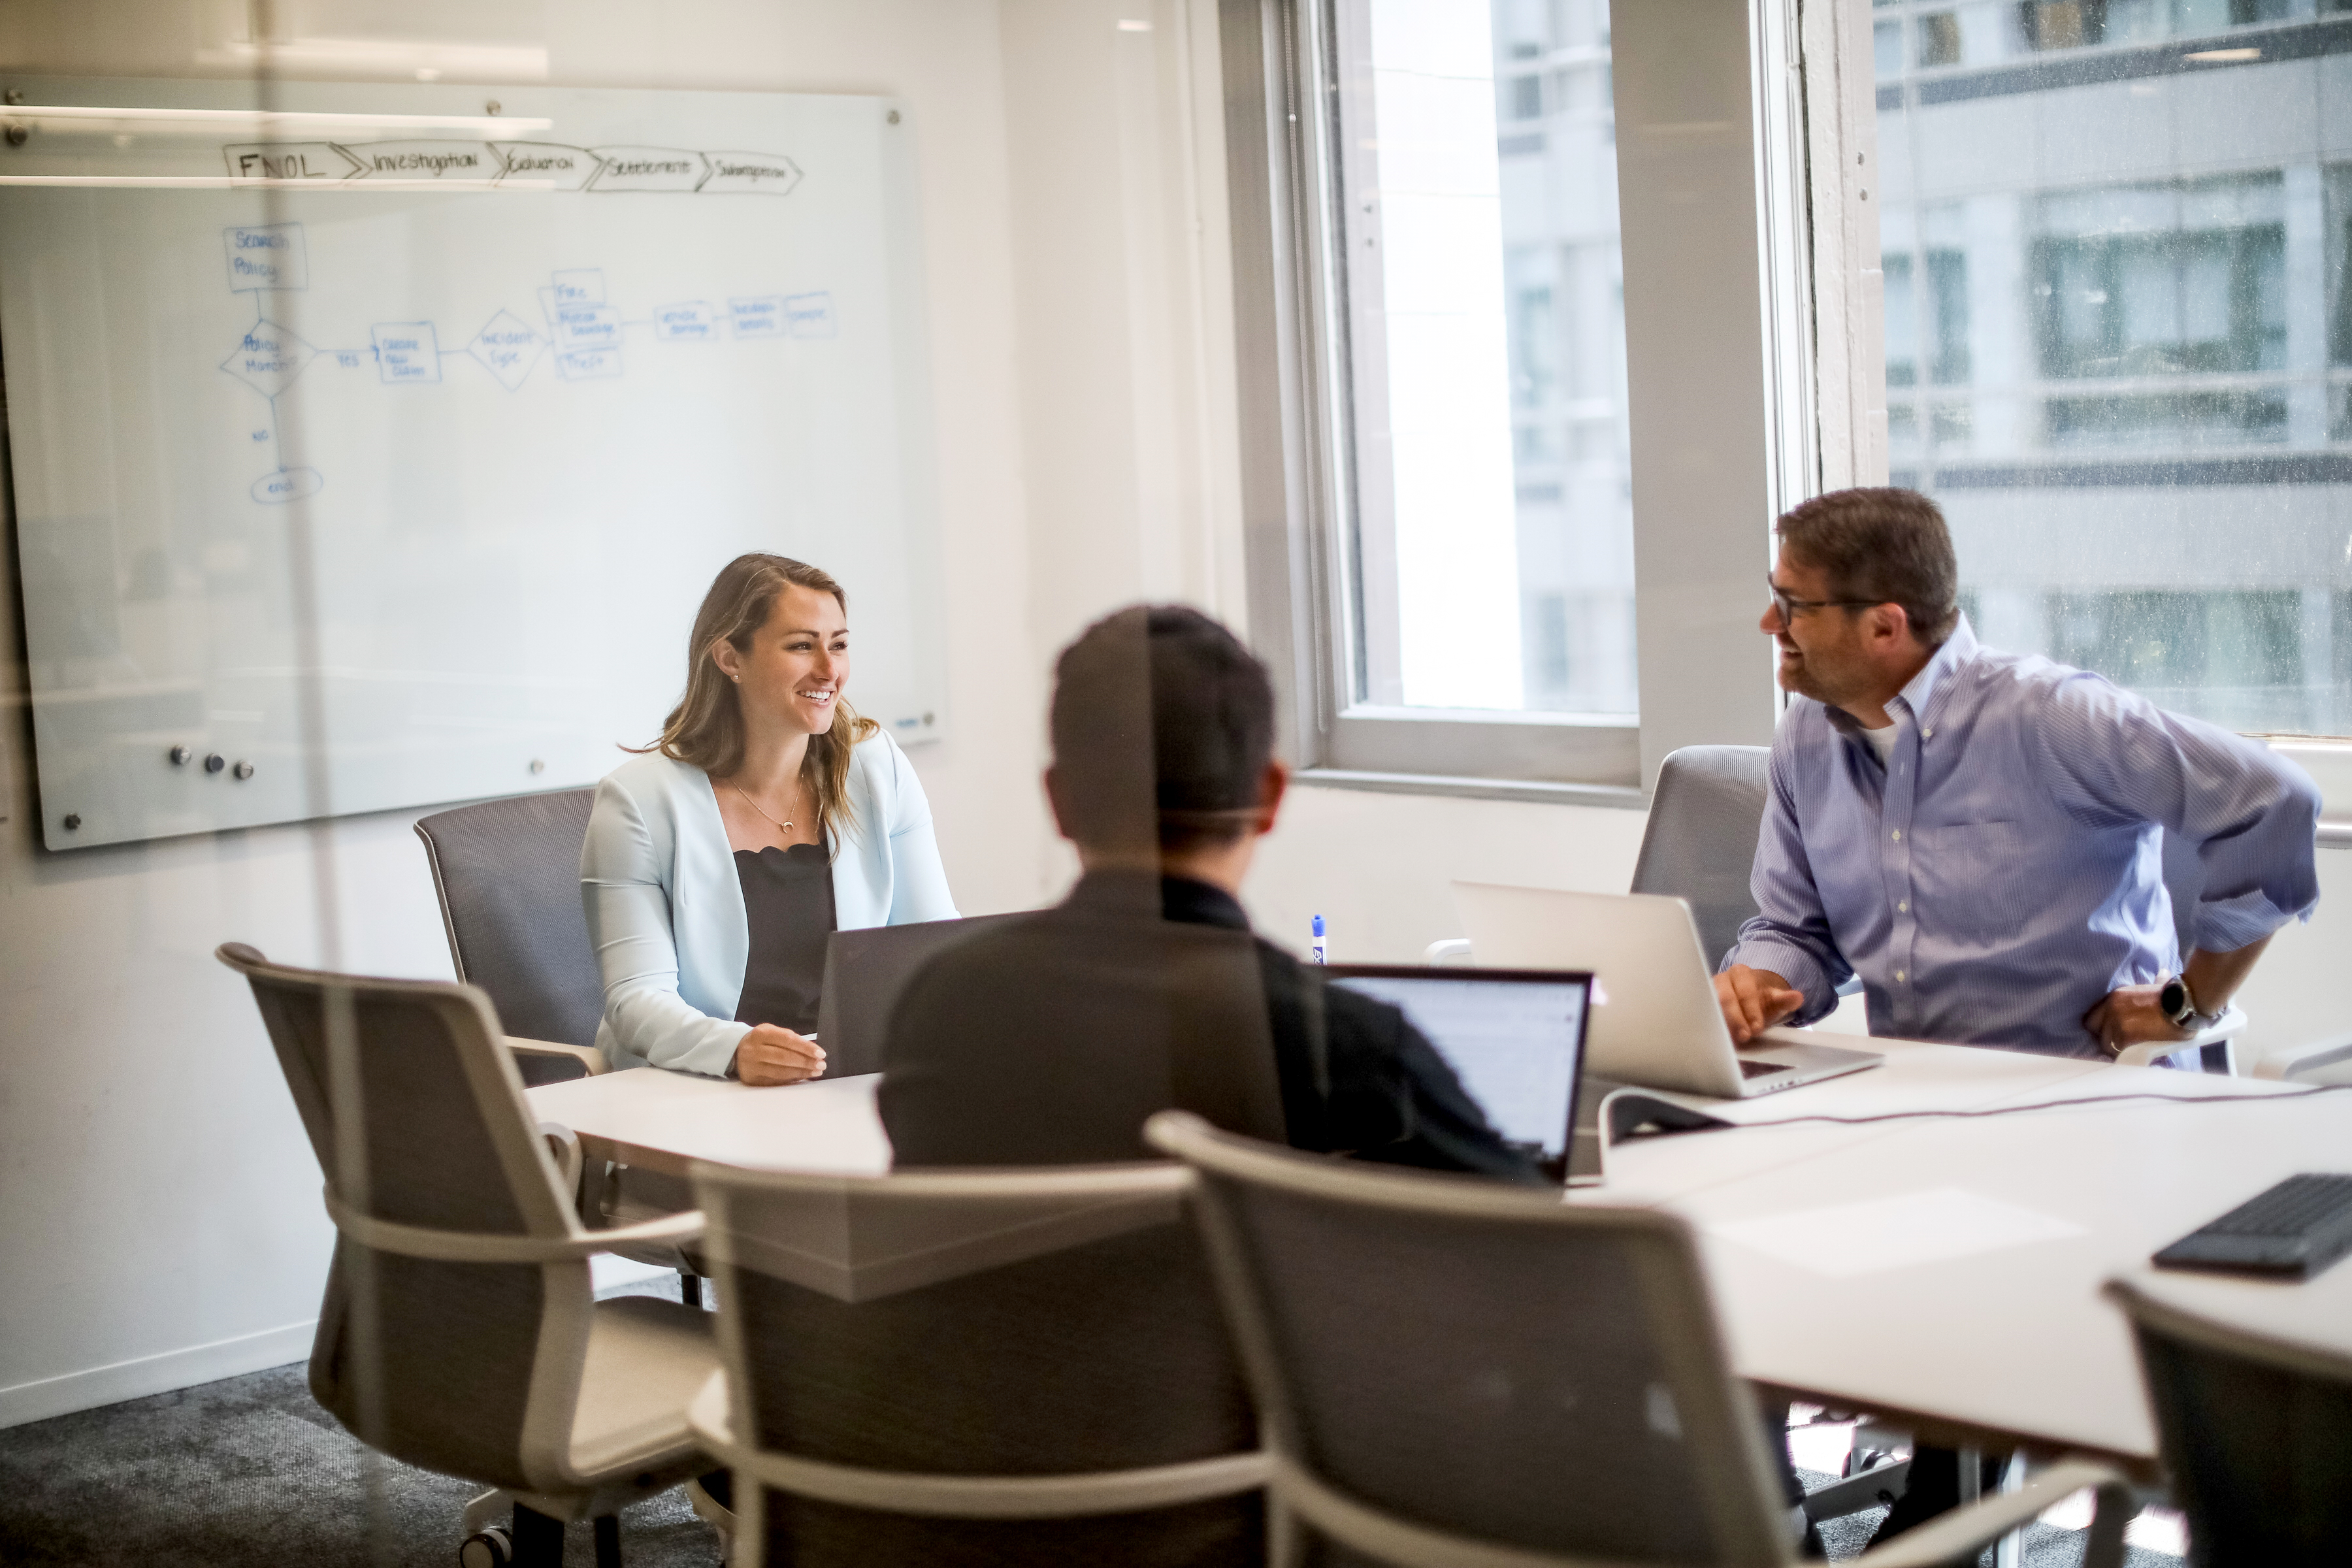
[1700, 843]
[417, 1118]
[508, 872]
[1005, 1323]
[2255, 1433]
[1480, 1361]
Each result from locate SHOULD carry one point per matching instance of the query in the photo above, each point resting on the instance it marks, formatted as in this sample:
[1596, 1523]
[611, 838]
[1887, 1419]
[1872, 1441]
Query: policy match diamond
[268, 358]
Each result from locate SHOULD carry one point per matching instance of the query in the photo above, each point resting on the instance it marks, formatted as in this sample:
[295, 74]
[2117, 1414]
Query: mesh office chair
[1541, 1385]
[507, 875]
[1019, 1365]
[2255, 1433]
[460, 1333]
[1699, 843]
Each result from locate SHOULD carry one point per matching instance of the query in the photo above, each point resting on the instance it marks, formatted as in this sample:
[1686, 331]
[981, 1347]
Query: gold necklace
[754, 805]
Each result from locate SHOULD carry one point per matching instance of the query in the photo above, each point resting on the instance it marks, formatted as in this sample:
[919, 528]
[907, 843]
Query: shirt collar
[1917, 692]
[1180, 898]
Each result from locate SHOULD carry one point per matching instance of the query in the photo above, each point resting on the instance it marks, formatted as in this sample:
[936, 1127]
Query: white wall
[159, 1207]
[1380, 868]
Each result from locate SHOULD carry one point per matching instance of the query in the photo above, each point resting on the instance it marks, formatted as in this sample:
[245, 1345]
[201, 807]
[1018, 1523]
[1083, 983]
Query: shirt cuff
[1795, 965]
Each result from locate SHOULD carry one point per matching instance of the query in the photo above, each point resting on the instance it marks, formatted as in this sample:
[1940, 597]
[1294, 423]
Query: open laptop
[1655, 1021]
[1514, 1037]
[865, 970]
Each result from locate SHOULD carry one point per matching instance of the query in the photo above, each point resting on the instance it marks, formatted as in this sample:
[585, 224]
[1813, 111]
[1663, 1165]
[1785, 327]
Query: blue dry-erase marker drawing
[1319, 939]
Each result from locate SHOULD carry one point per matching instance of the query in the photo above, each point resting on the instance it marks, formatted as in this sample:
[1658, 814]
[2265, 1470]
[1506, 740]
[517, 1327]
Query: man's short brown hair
[1883, 546]
[1162, 724]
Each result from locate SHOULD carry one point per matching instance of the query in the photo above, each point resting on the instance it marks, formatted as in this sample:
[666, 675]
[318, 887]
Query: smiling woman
[766, 816]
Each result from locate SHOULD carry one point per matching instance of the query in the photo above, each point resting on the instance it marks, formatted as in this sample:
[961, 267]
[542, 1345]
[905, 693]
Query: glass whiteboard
[398, 479]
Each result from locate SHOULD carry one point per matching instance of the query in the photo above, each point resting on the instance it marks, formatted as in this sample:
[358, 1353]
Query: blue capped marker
[1319, 939]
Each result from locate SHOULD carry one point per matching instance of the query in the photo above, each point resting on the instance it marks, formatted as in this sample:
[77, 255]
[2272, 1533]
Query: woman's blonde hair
[705, 729]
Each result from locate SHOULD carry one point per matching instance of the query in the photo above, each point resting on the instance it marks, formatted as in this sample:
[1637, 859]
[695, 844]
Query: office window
[1487, 523]
[2118, 345]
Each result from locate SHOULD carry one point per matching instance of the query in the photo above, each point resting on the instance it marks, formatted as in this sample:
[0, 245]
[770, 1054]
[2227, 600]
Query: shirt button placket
[1902, 795]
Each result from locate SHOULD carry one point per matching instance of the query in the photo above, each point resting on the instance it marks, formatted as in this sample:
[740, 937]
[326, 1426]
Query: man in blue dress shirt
[1978, 833]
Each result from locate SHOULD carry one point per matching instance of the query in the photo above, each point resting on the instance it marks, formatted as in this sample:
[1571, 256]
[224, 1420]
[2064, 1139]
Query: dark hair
[1163, 725]
[1887, 546]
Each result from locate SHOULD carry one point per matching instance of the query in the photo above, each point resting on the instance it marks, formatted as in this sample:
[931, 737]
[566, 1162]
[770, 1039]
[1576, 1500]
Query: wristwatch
[2177, 1003]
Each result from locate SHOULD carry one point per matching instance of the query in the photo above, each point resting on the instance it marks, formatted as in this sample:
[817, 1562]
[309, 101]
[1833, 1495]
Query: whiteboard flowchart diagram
[578, 329]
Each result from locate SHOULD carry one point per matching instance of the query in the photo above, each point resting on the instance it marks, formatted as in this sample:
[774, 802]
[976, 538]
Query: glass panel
[2119, 336]
[1492, 528]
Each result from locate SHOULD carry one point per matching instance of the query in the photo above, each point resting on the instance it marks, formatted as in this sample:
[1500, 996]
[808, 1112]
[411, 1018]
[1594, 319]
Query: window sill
[1620, 797]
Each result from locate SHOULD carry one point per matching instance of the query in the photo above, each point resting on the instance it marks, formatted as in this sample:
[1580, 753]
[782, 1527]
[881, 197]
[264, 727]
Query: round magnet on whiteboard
[73, 820]
[244, 770]
[215, 762]
[539, 764]
[180, 756]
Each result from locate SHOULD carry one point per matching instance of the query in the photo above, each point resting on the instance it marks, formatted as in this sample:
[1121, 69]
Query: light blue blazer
[666, 907]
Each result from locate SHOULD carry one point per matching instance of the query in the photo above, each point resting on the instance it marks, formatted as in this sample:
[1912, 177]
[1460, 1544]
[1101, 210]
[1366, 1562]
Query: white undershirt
[1882, 743]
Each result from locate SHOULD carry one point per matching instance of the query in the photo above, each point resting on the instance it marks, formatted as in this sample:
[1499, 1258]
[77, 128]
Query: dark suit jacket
[1049, 1041]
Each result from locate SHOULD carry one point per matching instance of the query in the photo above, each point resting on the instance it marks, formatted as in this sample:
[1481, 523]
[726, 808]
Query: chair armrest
[1958, 1535]
[2228, 1027]
[2289, 1060]
[475, 1247]
[587, 1056]
[565, 1145]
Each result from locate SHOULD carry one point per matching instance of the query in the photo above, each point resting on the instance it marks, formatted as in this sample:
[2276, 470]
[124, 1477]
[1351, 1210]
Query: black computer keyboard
[2296, 1228]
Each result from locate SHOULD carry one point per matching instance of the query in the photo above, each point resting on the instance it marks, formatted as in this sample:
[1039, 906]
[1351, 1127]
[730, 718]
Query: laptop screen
[1514, 1037]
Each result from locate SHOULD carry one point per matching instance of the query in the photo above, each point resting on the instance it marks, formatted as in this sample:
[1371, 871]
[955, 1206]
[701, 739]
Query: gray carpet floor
[251, 1471]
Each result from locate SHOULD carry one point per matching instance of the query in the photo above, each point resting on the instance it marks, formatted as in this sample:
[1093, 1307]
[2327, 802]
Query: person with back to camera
[1038, 1043]
[1978, 835]
[766, 816]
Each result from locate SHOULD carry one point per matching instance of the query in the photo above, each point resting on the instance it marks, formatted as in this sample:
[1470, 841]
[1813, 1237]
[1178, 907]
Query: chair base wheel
[492, 1548]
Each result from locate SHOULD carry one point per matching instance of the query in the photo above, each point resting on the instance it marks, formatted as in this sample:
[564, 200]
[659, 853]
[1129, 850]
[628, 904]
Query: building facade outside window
[2116, 236]
[1489, 544]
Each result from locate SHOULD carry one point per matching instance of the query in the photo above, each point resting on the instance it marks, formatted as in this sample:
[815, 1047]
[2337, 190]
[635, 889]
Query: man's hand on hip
[2130, 1016]
[1753, 1001]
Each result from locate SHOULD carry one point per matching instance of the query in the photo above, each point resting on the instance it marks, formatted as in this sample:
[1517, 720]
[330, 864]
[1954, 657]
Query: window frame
[1803, 374]
[1713, 118]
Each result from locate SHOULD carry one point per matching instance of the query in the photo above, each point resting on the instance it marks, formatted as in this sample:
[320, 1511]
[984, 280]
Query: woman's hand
[771, 1053]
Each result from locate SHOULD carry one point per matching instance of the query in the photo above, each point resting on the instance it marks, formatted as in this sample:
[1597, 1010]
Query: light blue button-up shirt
[2004, 871]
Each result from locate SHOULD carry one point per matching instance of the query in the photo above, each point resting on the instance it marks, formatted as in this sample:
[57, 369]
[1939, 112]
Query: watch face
[2174, 997]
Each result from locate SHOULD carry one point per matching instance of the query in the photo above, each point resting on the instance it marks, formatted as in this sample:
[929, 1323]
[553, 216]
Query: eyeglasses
[1790, 604]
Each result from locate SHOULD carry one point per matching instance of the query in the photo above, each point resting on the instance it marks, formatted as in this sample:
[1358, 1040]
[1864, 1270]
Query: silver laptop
[1655, 1020]
[1514, 1038]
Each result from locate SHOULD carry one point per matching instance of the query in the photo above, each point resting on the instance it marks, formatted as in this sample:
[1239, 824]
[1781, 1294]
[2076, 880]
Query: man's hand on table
[771, 1053]
[1753, 1001]
[2130, 1016]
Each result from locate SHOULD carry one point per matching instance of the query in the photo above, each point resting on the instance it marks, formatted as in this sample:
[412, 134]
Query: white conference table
[1942, 1273]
